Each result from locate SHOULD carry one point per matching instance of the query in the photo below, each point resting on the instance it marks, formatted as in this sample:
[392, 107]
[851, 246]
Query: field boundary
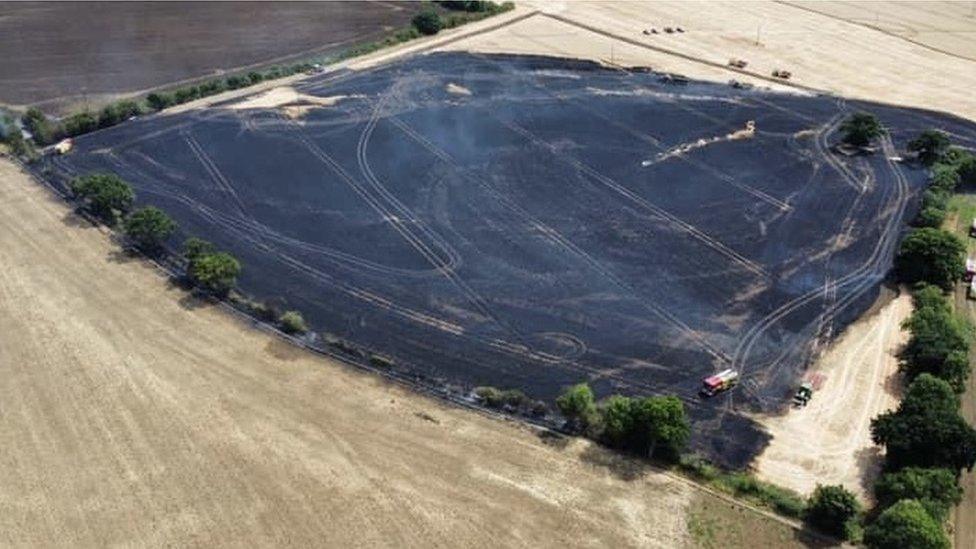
[436, 393]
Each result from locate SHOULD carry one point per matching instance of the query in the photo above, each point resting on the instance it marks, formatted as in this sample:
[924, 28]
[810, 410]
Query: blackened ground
[536, 231]
[62, 53]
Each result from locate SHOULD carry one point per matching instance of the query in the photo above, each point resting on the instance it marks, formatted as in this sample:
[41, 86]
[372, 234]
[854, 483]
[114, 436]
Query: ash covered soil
[531, 223]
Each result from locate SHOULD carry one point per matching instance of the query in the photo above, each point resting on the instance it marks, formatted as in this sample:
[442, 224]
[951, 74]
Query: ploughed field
[64, 54]
[531, 223]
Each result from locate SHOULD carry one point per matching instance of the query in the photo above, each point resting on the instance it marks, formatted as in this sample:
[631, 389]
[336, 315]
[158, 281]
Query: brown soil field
[136, 415]
[70, 54]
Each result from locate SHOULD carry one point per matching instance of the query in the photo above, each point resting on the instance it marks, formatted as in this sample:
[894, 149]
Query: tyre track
[552, 235]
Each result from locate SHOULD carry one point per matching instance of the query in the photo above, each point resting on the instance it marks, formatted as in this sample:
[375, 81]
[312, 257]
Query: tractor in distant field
[803, 394]
[720, 382]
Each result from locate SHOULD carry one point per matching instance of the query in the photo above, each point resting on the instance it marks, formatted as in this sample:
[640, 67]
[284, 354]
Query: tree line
[209, 270]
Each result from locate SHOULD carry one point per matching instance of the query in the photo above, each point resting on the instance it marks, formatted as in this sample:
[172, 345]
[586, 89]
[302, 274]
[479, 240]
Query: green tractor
[803, 395]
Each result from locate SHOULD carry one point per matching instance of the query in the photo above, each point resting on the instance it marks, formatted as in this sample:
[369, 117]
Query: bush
[105, 195]
[931, 255]
[118, 112]
[80, 123]
[427, 22]
[860, 129]
[579, 407]
[149, 228]
[215, 272]
[496, 398]
[936, 489]
[834, 510]
[781, 500]
[43, 131]
[159, 101]
[293, 323]
[904, 525]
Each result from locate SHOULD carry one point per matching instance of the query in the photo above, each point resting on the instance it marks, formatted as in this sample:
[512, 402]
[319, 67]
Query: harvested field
[829, 440]
[562, 222]
[844, 57]
[66, 54]
[137, 416]
[944, 27]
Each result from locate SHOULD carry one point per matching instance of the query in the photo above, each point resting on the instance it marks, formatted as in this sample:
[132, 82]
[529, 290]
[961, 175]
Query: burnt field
[63, 54]
[531, 223]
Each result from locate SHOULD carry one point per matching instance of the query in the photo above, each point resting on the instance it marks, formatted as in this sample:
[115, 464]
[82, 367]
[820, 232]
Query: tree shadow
[621, 466]
[192, 302]
[869, 462]
[554, 440]
[124, 255]
[282, 350]
[814, 540]
[76, 221]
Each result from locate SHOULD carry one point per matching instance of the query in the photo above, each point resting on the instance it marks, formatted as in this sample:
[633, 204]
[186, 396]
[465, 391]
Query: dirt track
[829, 441]
[133, 415]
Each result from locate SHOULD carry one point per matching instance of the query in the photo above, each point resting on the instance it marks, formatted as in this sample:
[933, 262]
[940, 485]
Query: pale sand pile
[829, 441]
[293, 103]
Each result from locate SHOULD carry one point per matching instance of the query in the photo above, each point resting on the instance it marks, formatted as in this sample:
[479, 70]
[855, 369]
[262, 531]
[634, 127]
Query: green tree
[938, 341]
[936, 489]
[105, 194]
[149, 228]
[904, 525]
[931, 255]
[945, 178]
[618, 420]
[931, 146]
[660, 426]
[215, 272]
[926, 430]
[860, 129]
[834, 510]
[427, 22]
[195, 247]
[578, 406]
[292, 322]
